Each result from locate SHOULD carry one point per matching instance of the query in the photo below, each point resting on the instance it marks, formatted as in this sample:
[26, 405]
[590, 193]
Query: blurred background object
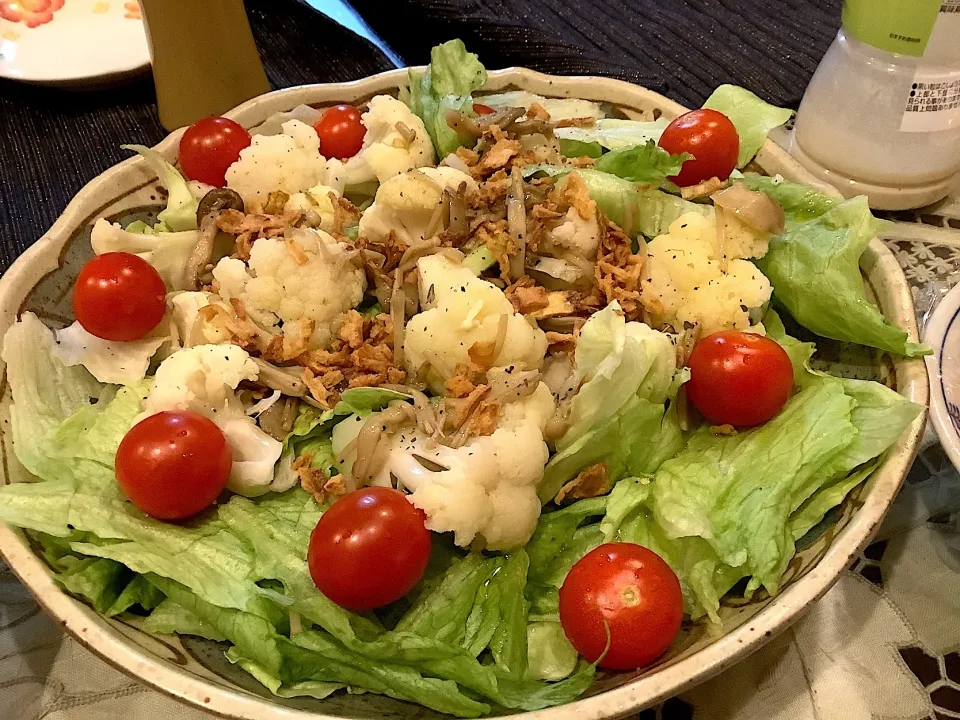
[205, 61]
[881, 116]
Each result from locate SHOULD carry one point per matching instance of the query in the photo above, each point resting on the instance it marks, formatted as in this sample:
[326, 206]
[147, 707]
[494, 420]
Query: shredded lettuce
[181, 211]
[636, 208]
[614, 133]
[578, 148]
[752, 117]
[799, 202]
[814, 268]
[645, 163]
[447, 84]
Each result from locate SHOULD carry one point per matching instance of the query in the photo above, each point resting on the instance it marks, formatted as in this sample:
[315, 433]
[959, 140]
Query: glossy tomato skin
[119, 296]
[481, 109]
[710, 137]
[209, 147]
[740, 379]
[630, 590]
[341, 132]
[369, 549]
[172, 465]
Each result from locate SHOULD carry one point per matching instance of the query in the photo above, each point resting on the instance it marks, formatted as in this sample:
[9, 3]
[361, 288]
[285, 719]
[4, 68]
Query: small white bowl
[942, 333]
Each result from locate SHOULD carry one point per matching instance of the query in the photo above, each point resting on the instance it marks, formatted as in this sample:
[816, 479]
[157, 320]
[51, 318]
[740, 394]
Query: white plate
[71, 42]
[943, 335]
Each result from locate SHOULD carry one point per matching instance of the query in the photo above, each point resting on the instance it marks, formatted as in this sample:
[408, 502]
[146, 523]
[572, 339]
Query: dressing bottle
[881, 116]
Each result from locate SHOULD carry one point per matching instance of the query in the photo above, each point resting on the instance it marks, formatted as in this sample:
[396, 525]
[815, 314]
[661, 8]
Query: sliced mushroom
[287, 381]
[208, 209]
[756, 209]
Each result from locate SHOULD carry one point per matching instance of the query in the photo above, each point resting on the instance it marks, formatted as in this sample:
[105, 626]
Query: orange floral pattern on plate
[31, 13]
[132, 10]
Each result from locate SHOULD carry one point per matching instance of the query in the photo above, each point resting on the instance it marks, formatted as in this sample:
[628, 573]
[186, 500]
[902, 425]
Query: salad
[454, 399]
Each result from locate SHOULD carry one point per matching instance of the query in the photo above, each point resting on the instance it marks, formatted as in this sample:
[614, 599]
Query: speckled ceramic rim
[878, 262]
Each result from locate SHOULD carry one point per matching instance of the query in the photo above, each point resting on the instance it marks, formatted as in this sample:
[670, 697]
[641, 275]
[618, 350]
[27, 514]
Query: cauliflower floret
[490, 485]
[167, 252]
[109, 361]
[277, 289]
[386, 151]
[405, 203]
[742, 241]
[576, 235]
[687, 281]
[184, 309]
[463, 310]
[290, 162]
[203, 379]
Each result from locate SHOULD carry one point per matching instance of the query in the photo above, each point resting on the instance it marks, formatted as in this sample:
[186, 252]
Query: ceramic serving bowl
[195, 670]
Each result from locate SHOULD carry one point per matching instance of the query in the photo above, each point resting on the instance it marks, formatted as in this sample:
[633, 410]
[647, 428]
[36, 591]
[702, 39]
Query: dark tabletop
[54, 141]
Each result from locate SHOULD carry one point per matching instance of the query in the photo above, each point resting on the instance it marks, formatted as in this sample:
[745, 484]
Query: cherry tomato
[173, 464]
[369, 549]
[481, 109]
[209, 147]
[629, 590]
[740, 379]
[119, 296]
[710, 137]
[341, 132]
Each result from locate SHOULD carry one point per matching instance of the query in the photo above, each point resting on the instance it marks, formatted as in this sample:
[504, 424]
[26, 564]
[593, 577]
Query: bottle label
[933, 103]
[897, 26]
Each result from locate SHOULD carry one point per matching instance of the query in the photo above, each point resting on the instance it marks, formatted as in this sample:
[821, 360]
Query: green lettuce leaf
[616, 360]
[509, 642]
[753, 118]
[170, 618]
[577, 148]
[815, 272]
[614, 133]
[799, 202]
[646, 163]
[636, 208]
[737, 491]
[446, 85]
[550, 654]
[181, 211]
[45, 392]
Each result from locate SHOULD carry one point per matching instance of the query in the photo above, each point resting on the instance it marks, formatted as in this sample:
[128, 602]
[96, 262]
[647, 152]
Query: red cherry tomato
[481, 109]
[631, 591]
[369, 549]
[173, 464]
[119, 296]
[341, 132]
[740, 379]
[209, 147]
[710, 137]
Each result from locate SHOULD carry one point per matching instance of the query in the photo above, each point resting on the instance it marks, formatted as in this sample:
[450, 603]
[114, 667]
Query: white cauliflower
[490, 485]
[167, 252]
[109, 361]
[688, 282]
[184, 309]
[277, 290]
[461, 311]
[290, 162]
[575, 236]
[203, 379]
[742, 241]
[386, 150]
[405, 203]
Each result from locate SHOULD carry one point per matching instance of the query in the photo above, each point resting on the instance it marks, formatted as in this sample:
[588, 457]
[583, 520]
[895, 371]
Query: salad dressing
[205, 61]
